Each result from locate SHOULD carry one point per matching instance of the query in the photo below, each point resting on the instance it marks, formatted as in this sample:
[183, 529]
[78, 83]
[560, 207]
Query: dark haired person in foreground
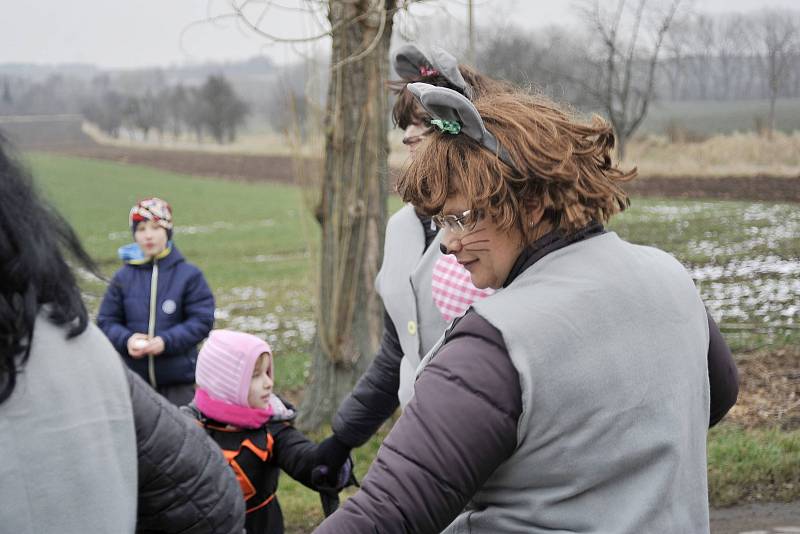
[86, 445]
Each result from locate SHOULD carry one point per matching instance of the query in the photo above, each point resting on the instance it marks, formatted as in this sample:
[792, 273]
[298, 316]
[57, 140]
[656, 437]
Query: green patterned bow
[451, 127]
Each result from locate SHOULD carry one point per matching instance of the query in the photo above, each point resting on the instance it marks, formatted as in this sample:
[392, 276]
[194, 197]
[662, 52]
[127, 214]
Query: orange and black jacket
[257, 457]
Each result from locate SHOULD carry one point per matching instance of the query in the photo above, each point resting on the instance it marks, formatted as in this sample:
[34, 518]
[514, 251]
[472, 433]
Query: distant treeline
[754, 56]
[213, 108]
[214, 101]
[726, 57]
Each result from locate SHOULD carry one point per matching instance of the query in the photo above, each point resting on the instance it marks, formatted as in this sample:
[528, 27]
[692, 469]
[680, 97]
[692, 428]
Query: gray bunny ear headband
[410, 63]
[454, 114]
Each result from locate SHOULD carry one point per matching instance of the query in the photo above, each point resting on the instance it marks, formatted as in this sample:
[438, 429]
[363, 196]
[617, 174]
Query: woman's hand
[331, 454]
[137, 345]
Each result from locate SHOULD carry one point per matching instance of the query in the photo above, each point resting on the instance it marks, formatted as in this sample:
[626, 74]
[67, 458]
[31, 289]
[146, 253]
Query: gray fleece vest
[610, 341]
[404, 284]
[68, 460]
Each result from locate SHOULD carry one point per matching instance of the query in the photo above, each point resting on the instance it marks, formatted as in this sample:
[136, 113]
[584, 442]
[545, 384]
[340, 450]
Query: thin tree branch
[368, 50]
[630, 58]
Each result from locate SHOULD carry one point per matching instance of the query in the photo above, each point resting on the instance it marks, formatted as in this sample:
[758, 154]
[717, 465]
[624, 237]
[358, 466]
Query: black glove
[332, 454]
[329, 485]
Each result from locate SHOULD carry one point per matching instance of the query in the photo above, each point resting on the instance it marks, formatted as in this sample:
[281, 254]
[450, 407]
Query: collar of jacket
[282, 412]
[167, 258]
[428, 228]
[548, 243]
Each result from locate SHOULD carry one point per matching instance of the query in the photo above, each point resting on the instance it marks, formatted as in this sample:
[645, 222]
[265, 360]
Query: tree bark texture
[353, 207]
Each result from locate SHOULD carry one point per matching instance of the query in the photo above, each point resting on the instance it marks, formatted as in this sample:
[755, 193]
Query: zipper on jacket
[151, 323]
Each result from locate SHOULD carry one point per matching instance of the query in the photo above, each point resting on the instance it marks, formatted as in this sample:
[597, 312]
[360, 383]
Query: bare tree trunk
[621, 143]
[773, 96]
[353, 208]
[779, 32]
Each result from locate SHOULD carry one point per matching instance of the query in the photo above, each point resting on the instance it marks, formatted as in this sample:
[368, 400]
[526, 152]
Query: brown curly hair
[563, 168]
[406, 111]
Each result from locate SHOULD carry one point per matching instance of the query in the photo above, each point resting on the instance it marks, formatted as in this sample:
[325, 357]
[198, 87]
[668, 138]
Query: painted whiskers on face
[487, 251]
[471, 243]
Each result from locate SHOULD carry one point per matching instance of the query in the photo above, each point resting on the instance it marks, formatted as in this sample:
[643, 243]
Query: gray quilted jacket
[185, 485]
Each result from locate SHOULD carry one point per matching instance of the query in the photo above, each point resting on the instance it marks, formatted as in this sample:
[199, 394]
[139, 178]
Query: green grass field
[256, 244]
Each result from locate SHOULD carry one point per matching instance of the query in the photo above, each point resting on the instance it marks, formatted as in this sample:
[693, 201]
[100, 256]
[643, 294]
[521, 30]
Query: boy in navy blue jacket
[158, 306]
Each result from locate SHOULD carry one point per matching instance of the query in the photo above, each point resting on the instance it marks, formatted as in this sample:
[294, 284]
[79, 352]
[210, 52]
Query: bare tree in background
[7, 99]
[175, 102]
[629, 42]
[776, 43]
[701, 42]
[677, 54]
[353, 206]
[551, 60]
[733, 42]
[224, 110]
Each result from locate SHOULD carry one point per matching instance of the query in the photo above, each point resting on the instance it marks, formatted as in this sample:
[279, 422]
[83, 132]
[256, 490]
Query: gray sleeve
[185, 484]
[459, 427]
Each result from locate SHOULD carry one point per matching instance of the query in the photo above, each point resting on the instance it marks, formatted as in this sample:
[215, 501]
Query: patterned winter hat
[152, 209]
[226, 362]
[452, 288]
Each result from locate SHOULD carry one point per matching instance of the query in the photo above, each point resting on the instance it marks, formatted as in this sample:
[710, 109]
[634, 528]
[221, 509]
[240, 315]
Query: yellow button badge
[412, 328]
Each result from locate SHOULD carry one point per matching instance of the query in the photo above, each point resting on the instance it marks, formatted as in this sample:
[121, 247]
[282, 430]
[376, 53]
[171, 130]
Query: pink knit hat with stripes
[226, 362]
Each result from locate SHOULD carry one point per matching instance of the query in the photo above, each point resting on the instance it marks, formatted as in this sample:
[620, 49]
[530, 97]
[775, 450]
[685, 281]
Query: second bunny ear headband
[454, 114]
[410, 63]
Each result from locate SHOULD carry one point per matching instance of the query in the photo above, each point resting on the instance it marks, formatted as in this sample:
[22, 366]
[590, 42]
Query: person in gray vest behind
[575, 398]
[421, 289]
[85, 444]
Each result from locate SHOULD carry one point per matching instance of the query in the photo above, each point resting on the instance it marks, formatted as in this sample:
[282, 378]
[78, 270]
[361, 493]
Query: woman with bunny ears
[576, 397]
[422, 290]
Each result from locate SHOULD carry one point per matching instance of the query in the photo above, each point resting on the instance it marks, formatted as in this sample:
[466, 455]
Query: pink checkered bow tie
[452, 288]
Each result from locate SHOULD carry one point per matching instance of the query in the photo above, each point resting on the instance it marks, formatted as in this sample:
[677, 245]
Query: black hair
[33, 270]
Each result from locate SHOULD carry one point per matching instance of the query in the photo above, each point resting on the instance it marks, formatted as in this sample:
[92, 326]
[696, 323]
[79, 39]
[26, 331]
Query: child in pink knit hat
[235, 403]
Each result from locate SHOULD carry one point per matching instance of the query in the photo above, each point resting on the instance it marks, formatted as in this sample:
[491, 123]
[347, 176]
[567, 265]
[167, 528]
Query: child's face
[261, 383]
[151, 238]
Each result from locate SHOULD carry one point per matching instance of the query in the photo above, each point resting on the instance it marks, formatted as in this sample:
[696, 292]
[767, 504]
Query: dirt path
[765, 518]
[240, 167]
[764, 188]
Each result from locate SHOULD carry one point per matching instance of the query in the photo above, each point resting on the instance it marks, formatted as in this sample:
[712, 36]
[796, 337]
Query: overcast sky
[138, 33]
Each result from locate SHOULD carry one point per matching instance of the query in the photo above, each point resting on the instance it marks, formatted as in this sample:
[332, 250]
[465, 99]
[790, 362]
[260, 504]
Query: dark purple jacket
[184, 315]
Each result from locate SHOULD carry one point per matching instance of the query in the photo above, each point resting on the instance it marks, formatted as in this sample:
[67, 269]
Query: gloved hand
[331, 454]
[329, 491]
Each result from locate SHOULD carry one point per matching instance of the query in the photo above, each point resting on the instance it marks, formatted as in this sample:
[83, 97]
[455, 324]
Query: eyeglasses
[458, 223]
